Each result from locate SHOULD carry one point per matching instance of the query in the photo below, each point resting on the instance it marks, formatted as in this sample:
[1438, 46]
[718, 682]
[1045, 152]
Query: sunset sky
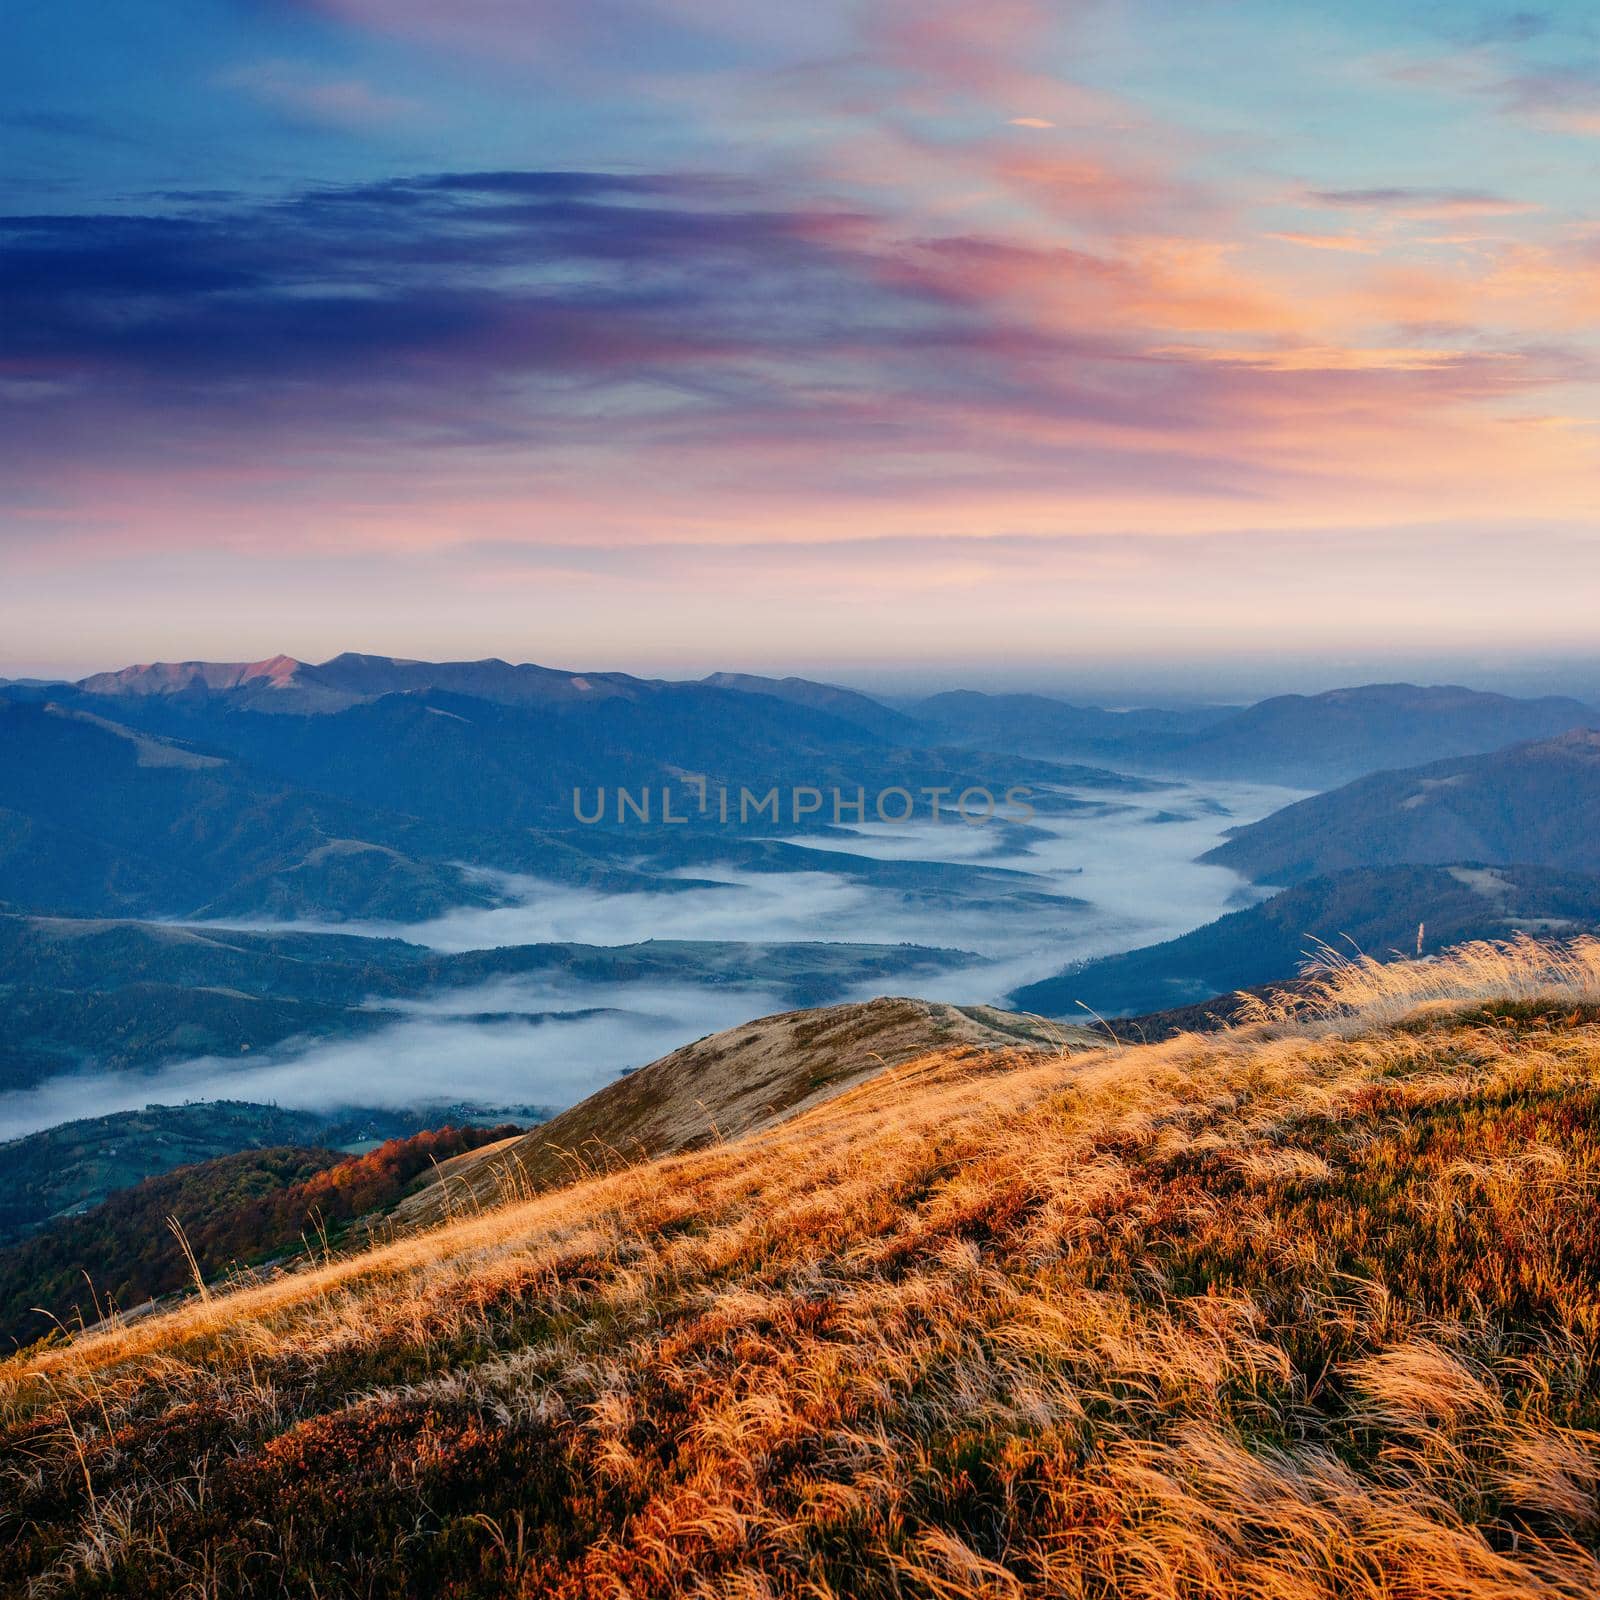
[734, 333]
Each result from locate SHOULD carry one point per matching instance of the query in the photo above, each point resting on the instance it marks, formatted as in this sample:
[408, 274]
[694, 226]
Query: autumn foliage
[237, 1210]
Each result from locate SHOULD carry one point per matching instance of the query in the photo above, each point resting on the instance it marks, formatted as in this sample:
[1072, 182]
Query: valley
[250, 907]
[545, 993]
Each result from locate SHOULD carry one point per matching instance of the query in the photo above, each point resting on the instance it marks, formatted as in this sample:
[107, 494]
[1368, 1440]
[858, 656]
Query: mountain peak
[178, 677]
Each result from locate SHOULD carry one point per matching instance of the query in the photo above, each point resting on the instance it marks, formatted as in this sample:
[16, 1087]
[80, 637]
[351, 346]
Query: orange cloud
[1345, 242]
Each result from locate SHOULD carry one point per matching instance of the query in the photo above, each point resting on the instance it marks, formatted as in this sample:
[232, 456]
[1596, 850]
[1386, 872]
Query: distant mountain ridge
[1344, 733]
[177, 677]
[1036, 724]
[1301, 741]
[850, 705]
[1536, 803]
[282, 683]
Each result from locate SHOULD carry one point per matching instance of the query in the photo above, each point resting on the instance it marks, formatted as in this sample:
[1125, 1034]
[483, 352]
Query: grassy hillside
[1306, 1309]
[721, 1086]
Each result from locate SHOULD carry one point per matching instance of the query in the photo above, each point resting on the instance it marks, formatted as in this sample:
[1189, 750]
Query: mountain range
[502, 749]
[1306, 741]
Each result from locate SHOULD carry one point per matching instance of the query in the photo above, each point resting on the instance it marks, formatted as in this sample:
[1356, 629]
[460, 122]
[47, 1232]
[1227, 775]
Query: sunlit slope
[1309, 1308]
[723, 1085]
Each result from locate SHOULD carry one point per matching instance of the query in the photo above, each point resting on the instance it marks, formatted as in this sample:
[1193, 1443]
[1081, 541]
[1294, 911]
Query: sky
[727, 333]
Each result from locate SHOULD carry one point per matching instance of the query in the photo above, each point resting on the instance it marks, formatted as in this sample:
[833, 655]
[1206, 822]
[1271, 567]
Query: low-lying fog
[439, 1053]
[1132, 858]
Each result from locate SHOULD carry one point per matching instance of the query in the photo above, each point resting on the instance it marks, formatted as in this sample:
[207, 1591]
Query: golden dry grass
[1373, 992]
[1307, 1309]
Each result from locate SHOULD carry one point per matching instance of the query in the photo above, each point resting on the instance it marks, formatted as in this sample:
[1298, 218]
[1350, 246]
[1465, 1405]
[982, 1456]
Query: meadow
[1302, 1309]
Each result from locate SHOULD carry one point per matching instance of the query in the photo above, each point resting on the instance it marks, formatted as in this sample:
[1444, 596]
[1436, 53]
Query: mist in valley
[548, 1041]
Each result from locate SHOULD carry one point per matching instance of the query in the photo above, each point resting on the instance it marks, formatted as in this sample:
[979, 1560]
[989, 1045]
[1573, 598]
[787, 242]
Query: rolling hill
[1381, 912]
[1304, 1308]
[97, 817]
[722, 1086]
[1535, 804]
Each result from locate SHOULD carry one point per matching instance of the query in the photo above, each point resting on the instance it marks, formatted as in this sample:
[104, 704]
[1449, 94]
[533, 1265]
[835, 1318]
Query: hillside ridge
[723, 1086]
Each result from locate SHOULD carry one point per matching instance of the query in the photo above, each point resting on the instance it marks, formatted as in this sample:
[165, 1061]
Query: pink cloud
[1403, 201]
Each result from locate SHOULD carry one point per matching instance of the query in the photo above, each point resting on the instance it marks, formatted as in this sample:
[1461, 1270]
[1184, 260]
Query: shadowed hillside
[1537, 804]
[96, 817]
[1303, 1309]
[205, 1220]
